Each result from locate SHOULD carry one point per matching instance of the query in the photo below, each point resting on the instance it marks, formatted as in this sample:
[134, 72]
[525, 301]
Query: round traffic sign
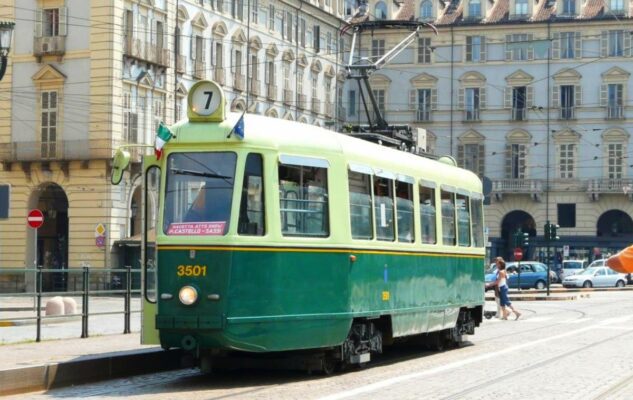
[35, 219]
[518, 254]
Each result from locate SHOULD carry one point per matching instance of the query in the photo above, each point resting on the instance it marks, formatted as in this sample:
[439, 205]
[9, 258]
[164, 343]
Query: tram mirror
[119, 164]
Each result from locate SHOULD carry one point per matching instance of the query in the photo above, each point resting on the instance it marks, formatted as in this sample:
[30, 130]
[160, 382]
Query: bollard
[38, 288]
[128, 298]
[84, 302]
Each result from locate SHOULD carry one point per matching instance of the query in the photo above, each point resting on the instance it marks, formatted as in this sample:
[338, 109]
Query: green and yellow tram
[295, 238]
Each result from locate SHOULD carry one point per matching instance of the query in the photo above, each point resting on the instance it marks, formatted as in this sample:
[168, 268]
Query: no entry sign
[35, 219]
[518, 254]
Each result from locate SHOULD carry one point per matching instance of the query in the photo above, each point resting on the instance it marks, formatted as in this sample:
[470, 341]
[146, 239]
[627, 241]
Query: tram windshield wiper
[180, 171]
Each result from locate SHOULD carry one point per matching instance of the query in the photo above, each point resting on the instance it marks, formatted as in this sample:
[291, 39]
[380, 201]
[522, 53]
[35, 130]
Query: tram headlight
[188, 295]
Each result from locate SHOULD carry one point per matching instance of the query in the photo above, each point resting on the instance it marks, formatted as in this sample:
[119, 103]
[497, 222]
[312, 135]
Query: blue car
[533, 275]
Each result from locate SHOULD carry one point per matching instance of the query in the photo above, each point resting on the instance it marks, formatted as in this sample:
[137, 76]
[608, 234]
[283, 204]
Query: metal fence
[85, 281]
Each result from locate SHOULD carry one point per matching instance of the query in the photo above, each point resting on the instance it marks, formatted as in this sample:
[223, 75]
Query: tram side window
[360, 205]
[428, 215]
[448, 218]
[478, 222]
[383, 208]
[251, 220]
[463, 220]
[303, 200]
[404, 207]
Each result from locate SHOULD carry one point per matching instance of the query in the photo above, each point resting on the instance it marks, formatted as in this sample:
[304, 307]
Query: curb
[56, 375]
[540, 297]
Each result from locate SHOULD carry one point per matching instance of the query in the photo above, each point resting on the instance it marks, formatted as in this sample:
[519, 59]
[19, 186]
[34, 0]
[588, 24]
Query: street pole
[549, 57]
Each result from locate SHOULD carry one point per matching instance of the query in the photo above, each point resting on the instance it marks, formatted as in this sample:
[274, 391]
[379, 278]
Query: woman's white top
[502, 281]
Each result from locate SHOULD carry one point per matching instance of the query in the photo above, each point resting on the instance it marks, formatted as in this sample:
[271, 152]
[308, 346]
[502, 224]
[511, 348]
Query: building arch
[272, 112]
[220, 29]
[510, 223]
[614, 223]
[238, 105]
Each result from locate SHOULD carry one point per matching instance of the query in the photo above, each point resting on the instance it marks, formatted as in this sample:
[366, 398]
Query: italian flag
[163, 135]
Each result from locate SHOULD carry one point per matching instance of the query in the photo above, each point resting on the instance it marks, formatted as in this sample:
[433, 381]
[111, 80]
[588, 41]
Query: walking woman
[502, 284]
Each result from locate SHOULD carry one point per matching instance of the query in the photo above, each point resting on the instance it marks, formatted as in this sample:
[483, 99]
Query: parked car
[598, 263]
[596, 277]
[571, 267]
[533, 275]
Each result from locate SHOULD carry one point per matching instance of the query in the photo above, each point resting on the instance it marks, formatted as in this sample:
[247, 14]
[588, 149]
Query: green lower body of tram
[348, 301]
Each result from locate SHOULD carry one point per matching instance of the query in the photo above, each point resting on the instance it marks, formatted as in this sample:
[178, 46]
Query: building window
[377, 48]
[237, 9]
[475, 48]
[474, 8]
[426, 10]
[48, 109]
[360, 206]
[50, 22]
[404, 207]
[424, 50]
[379, 95]
[424, 105]
[519, 103]
[350, 7]
[251, 219]
[516, 156]
[521, 7]
[567, 156]
[569, 7]
[472, 104]
[567, 215]
[616, 43]
[471, 157]
[615, 93]
[615, 160]
[271, 17]
[351, 110]
[289, 26]
[380, 11]
[254, 11]
[463, 220]
[567, 102]
[616, 6]
[302, 32]
[519, 53]
[567, 44]
[317, 38]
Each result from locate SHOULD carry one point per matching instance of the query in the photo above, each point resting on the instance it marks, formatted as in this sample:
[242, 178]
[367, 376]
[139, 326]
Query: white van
[572, 267]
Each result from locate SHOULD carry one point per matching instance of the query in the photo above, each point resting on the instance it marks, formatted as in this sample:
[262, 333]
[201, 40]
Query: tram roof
[291, 137]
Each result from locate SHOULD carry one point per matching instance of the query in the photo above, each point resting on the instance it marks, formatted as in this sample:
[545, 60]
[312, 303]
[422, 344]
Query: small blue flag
[238, 129]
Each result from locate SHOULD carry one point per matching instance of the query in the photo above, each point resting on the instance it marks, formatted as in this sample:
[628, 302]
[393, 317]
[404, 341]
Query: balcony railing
[238, 82]
[199, 70]
[595, 187]
[423, 114]
[533, 187]
[219, 75]
[181, 63]
[271, 91]
[255, 86]
[567, 113]
[519, 114]
[615, 112]
[471, 115]
[49, 46]
[303, 102]
[328, 109]
[157, 55]
[134, 48]
[316, 105]
[57, 150]
[288, 100]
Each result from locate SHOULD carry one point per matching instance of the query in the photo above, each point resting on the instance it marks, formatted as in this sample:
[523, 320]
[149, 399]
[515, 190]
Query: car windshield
[589, 271]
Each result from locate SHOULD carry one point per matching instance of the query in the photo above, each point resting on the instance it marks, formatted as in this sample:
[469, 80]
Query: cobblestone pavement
[579, 349]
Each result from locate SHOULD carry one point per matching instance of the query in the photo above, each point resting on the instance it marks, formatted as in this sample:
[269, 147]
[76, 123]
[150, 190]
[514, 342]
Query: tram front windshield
[199, 193]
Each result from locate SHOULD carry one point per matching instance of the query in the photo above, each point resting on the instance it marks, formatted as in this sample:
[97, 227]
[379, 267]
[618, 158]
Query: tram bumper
[189, 322]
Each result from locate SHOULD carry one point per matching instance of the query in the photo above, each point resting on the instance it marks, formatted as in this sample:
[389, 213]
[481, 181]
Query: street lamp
[6, 31]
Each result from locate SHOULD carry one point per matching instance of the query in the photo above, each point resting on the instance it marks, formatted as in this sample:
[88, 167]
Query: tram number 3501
[191, 270]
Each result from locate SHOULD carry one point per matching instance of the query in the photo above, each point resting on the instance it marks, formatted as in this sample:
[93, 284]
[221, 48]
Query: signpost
[518, 256]
[35, 219]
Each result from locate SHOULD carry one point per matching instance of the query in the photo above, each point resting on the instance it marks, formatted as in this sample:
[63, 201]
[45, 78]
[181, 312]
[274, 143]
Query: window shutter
[481, 160]
[578, 45]
[604, 43]
[556, 46]
[460, 155]
[483, 48]
[38, 22]
[522, 159]
[283, 25]
[212, 53]
[508, 51]
[529, 94]
[192, 44]
[555, 96]
[507, 97]
[482, 98]
[152, 32]
[603, 95]
[232, 61]
[530, 47]
[63, 21]
[433, 99]
[508, 157]
[469, 48]
[412, 99]
[577, 95]
[460, 98]
[266, 73]
[627, 44]
[202, 51]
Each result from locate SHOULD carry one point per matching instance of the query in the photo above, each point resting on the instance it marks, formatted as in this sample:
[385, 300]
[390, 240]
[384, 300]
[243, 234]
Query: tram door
[151, 193]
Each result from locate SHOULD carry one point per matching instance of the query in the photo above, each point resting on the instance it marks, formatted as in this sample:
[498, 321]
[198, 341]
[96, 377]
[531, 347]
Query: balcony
[134, 48]
[423, 114]
[255, 86]
[219, 75]
[567, 113]
[303, 102]
[61, 150]
[596, 187]
[49, 46]
[471, 115]
[287, 97]
[519, 114]
[199, 70]
[181, 63]
[271, 91]
[316, 105]
[615, 112]
[157, 55]
[238, 82]
[532, 187]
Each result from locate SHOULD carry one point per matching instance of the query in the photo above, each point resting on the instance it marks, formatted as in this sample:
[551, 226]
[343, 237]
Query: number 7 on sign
[209, 97]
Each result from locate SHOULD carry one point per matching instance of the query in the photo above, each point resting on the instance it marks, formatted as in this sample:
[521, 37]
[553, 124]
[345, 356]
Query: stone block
[70, 305]
[55, 306]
